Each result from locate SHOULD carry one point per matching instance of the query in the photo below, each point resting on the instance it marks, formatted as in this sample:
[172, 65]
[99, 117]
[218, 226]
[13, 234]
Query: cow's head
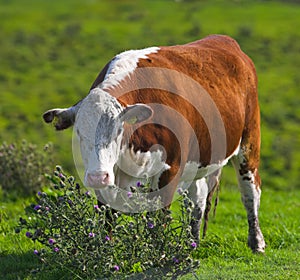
[98, 122]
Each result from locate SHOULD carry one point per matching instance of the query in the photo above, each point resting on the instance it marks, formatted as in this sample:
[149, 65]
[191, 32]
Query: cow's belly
[147, 168]
[193, 171]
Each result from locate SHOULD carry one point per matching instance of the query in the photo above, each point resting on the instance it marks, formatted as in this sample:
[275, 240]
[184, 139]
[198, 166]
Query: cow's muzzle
[99, 179]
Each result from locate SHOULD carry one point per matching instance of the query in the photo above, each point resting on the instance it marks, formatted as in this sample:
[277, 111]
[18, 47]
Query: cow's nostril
[105, 178]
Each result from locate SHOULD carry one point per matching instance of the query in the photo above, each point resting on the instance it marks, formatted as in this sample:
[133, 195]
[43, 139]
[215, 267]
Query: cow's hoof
[257, 244]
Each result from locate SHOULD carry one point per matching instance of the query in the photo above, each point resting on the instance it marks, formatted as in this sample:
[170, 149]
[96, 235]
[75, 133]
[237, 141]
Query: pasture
[51, 52]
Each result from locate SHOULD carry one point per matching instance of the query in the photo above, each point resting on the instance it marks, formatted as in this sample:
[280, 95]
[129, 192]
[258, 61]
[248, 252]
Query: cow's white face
[99, 127]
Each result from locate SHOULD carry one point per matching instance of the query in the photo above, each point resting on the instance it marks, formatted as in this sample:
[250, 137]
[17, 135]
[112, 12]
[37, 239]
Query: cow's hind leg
[249, 183]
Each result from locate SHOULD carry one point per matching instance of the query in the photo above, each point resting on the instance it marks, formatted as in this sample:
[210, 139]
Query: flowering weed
[22, 167]
[96, 242]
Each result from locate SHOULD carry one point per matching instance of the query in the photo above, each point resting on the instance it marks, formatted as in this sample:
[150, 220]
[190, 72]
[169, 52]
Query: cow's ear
[136, 113]
[63, 118]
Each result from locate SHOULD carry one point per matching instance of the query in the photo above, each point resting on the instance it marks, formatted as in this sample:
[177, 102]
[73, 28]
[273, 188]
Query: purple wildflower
[194, 244]
[88, 193]
[51, 241]
[37, 207]
[56, 249]
[180, 191]
[96, 206]
[91, 234]
[28, 234]
[150, 225]
[129, 194]
[107, 238]
[175, 260]
[36, 252]
[138, 184]
[39, 193]
[116, 268]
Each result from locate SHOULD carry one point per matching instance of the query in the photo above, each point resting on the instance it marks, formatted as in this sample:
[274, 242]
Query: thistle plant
[22, 167]
[96, 242]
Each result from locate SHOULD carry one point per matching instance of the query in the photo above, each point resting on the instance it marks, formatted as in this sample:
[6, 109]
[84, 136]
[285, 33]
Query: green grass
[223, 254]
[51, 51]
[15, 251]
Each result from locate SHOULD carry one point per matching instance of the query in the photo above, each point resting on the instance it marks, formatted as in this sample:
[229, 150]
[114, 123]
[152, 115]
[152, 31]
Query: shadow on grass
[18, 266]
[164, 273]
[28, 266]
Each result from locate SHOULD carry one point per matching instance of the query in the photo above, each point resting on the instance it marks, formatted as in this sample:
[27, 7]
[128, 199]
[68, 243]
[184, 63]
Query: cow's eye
[120, 130]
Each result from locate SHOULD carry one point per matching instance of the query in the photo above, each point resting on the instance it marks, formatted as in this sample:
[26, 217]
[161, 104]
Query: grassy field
[223, 254]
[51, 51]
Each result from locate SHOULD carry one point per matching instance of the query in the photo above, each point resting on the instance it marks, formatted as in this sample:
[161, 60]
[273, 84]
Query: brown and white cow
[174, 115]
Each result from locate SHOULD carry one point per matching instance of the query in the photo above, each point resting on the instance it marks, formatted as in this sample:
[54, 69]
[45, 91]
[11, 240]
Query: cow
[174, 115]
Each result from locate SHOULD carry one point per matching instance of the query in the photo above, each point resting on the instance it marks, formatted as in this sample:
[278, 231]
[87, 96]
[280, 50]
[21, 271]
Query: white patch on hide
[250, 192]
[123, 64]
[236, 151]
[198, 193]
[95, 105]
[193, 172]
[133, 167]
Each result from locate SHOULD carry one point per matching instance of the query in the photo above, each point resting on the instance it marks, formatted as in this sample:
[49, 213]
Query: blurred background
[51, 52]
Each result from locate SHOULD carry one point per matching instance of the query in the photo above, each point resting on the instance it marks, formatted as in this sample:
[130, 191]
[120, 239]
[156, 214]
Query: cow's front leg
[249, 183]
[200, 192]
[197, 192]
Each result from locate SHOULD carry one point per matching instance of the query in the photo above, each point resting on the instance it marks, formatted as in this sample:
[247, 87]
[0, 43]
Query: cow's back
[215, 63]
